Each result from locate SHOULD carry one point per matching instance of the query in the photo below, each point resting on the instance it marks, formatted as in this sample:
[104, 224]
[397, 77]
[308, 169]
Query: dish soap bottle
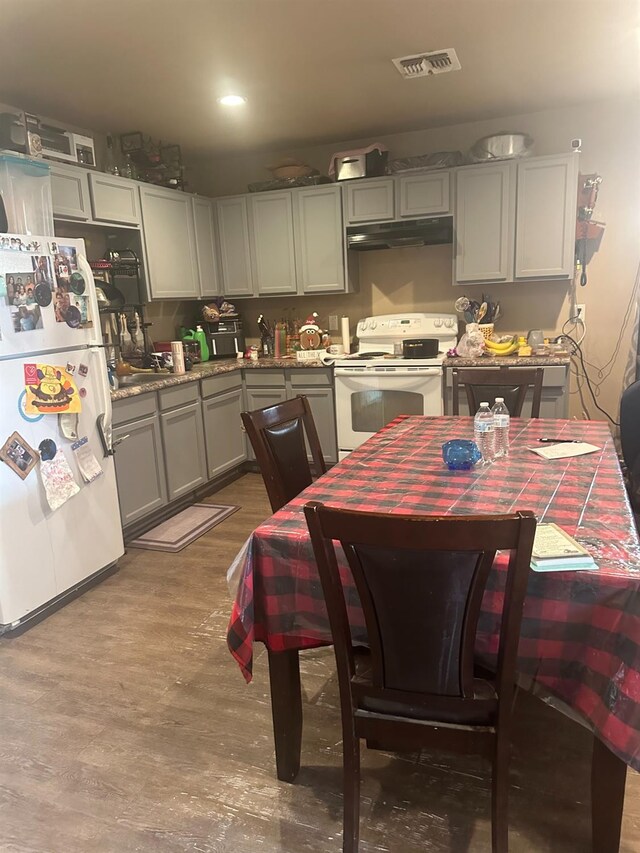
[201, 338]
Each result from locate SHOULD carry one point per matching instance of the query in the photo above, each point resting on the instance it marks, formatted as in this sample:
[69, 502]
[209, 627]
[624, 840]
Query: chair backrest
[421, 580]
[630, 424]
[487, 383]
[277, 435]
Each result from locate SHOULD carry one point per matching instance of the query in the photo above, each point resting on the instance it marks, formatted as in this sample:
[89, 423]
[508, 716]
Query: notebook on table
[555, 551]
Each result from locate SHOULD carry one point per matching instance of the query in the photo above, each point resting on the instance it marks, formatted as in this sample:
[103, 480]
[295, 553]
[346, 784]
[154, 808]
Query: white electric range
[378, 384]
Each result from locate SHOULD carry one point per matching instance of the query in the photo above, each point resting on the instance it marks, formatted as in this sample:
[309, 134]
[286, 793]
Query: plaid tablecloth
[580, 639]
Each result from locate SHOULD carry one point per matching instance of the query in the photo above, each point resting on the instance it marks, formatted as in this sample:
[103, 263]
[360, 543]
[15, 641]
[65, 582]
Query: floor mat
[184, 528]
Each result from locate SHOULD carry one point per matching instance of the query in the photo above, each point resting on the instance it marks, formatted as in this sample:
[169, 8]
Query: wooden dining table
[580, 639]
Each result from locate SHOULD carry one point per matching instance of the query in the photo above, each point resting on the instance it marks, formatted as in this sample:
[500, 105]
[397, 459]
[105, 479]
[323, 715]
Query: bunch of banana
[507, 348]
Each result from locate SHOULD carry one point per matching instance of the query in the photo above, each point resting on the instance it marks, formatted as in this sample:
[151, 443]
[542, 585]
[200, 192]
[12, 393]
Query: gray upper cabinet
[319, 240]
[140, 472]
[271, 240]
[184, 453]
[423, 195]
[546, 217]
[485, 207]
[206, 249]
[370, 200]
[235, 256]
[172, 270]
[114, 199]
[70, 193]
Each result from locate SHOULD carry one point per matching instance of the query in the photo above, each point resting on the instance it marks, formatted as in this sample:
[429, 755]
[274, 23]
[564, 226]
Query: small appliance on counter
[225, 337]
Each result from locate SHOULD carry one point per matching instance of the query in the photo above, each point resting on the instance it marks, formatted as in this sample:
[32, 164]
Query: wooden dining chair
[488, 383]
[277, 435]
[420, 580]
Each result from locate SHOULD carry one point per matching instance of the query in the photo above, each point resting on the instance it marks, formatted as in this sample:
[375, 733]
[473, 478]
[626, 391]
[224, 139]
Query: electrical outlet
[581, 309]
[333, 322]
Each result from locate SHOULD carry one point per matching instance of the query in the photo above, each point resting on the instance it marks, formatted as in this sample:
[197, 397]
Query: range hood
[400, 235]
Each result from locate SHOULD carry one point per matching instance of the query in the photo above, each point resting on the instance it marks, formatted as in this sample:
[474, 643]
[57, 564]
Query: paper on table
[551, 541]
[562, 451]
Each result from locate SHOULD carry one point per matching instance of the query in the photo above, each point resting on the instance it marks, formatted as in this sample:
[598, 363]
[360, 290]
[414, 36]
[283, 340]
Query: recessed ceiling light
[232, 100]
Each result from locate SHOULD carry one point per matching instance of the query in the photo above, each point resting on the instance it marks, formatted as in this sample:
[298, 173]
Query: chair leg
[351, 785]
[500, 797]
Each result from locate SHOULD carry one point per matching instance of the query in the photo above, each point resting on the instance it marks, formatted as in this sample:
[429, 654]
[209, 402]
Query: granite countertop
[210, 368]
[509, 361]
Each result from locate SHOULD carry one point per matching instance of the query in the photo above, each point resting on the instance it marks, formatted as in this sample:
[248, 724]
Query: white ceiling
[313, 70]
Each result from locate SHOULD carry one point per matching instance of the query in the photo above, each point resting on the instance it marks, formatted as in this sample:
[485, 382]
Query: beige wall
[420, 279]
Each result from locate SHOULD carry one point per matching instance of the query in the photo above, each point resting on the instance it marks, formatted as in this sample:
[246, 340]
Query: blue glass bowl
[460, 454]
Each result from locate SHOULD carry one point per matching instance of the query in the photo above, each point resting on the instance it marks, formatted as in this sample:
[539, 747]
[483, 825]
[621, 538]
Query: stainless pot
[502, 146]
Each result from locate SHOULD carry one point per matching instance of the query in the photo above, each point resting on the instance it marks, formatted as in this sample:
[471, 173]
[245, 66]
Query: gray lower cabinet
[268, 387]
[223, 434]
[184, 453]
[140, 471]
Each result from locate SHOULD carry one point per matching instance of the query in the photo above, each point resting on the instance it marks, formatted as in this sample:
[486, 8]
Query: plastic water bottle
[483, 433]
[501, 421]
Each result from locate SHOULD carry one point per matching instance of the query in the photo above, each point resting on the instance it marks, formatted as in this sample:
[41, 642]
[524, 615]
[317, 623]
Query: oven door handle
[372, 371]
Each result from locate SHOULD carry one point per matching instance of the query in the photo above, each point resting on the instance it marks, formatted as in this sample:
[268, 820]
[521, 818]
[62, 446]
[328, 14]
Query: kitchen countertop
[228, 365]
[210, 368]
[509, 361]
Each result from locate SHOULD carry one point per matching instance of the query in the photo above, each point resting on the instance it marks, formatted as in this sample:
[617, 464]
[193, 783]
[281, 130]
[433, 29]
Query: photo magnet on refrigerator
[19, 455]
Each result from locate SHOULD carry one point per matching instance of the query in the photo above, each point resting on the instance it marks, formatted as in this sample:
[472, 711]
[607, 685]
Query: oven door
[366, 400]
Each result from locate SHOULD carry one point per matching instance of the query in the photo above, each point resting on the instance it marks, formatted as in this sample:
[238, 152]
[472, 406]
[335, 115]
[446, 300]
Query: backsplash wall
[417, 279]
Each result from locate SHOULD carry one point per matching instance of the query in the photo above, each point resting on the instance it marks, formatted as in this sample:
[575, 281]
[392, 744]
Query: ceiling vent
[425, 64]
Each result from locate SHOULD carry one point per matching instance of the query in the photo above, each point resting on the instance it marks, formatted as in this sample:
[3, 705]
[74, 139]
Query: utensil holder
[486, 329]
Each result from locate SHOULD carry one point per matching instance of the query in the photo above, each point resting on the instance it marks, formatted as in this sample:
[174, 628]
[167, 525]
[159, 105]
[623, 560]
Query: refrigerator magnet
[87, 463]
[83, 370]
[50, 390]
[73, 317]
[68, 426]
[71, 368]
[82, 392]
[19, 455]
[77, 283]
[47, 449]
[22, 402]
[42, 294]
[57, 479]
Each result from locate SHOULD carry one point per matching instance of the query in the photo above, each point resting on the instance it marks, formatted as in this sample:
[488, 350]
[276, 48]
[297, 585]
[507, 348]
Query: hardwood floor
[125, 725]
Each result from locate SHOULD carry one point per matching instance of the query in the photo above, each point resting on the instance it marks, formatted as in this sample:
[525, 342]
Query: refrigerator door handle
[106, 435]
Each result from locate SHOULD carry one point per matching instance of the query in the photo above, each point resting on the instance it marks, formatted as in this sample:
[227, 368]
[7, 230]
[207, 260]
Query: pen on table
[560, 440]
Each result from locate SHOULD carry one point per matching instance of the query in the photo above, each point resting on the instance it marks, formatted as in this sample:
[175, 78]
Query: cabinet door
[233, 235]
[183, 443]
[546, 217]
[258, 398]
[70, 193]
[324, 416]
[205, 240]
[140, 472]
[370, 201]
[223, 434]
[423, 195]
[271, 240]
[319, 240]
[172, 271]
[114, 199]
[485, 197]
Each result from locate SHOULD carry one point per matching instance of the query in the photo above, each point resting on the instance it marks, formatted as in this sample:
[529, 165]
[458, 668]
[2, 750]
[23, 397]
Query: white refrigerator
[59, 514]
